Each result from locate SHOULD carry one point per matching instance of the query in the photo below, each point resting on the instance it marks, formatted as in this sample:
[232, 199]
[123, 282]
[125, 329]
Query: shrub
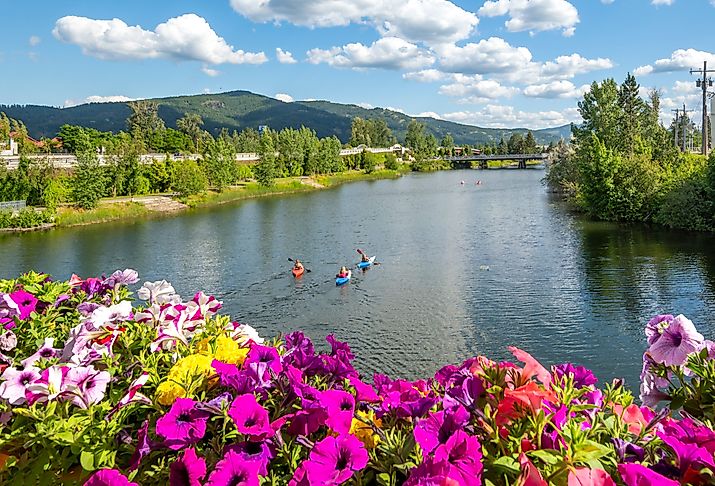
[188, 178]
[391, 162]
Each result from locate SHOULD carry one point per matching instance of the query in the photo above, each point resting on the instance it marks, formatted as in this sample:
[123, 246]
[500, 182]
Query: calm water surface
[557, 286]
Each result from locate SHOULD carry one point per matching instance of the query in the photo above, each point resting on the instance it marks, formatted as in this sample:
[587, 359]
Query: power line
[704, 83]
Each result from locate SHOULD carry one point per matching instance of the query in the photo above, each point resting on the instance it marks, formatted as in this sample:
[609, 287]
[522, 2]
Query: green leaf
[86, 459]
[549, 456]
[507, 464]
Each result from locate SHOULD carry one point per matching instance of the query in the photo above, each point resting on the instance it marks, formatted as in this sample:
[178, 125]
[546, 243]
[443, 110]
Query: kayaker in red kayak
[342, 273]
[298, 268]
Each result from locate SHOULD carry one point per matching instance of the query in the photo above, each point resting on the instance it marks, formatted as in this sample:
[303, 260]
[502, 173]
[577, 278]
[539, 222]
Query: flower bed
[98, 390]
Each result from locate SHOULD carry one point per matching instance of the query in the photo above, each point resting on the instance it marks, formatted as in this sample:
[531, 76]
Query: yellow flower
[361, 427]
[228, 351]
[187, 369]
[168, 392]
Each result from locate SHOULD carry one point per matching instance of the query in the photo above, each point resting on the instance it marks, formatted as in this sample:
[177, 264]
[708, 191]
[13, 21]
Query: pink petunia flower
[677, 341]
[14, 388]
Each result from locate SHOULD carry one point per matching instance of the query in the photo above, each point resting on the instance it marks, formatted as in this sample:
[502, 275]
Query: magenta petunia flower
[340, 407]
[654, 328]
[109, 477]
[187, 470]
[639, 475]
[264, 354]
[26, 303]
[438, 427]
[334, 460]
[234, 471]
[404, 398]
[183, 425]
[464, 455]
[677, 341]
[364, 392]
[429, 473]
[582, 377]
[14, 387]
[250, 417]
[231, 377]
[259, 452]
[301, 352]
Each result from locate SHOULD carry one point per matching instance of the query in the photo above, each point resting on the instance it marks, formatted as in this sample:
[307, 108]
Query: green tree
[144, 122]
[380, 134]
[220, 163]
[516, 145]
[631, 116]
[530, 143]
[447, 144]
[190, 124]
[265, 170]
[87, 183]
[188, 178]
[360, 132]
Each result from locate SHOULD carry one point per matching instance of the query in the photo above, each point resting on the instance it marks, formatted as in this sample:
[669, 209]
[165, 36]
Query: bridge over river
[465, 161]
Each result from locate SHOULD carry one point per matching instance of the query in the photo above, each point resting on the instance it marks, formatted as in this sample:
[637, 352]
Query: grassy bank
[349, 176]
[246, 191]
[107, 212]
[114, 209]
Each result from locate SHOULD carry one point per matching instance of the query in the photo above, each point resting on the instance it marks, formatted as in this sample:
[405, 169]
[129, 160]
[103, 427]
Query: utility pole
[704, 83]
[684, 121]
[676, 125]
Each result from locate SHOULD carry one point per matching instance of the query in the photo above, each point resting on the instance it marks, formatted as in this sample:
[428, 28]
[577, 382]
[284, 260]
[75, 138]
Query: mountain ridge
[240, 109]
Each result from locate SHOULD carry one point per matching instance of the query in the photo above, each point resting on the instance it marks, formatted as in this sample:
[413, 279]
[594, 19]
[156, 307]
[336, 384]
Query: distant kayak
[298, 272]
[343, 280]
[366, 264]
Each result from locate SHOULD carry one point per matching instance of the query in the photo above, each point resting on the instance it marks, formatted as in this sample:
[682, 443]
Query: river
[464, 270]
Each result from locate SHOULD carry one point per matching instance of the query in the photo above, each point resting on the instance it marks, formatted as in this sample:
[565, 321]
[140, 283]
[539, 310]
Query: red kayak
[297, 272]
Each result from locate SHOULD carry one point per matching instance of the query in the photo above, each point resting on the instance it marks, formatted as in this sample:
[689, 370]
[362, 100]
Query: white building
[9, 151]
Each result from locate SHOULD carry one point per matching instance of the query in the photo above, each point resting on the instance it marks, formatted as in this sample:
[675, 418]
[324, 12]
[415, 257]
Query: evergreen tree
[631, 114]
[190, 124]
[144, 122]
[530, 143]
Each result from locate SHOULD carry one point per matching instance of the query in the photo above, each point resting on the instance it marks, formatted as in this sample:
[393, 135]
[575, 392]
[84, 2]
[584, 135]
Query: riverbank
[132, 208]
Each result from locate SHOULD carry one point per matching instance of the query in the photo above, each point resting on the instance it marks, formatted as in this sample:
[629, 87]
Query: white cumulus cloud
[555, 89]
[475, 89]
[492, 55]
[534, 15]
[285, 98]
[187, 37]
[662, 2]
[504, 116]
[34, 40]
[425, 75]
[679, 60]
[284, 57]
[98, 99]
[386, 53]
[429, 21]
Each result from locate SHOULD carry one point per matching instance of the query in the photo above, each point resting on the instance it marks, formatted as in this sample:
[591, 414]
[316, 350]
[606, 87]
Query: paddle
[291, 260]
[362, 253]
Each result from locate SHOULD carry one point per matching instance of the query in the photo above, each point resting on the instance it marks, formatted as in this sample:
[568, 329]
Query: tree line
[623, 164]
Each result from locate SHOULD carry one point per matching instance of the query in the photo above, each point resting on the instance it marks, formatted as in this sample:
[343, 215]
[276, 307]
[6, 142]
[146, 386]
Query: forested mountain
[236, 110]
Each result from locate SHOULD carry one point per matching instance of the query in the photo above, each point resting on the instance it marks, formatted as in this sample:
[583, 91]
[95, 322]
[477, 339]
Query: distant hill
[236, 110]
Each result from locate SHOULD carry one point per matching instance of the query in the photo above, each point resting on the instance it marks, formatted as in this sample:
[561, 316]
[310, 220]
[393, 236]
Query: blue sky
[500, 63]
